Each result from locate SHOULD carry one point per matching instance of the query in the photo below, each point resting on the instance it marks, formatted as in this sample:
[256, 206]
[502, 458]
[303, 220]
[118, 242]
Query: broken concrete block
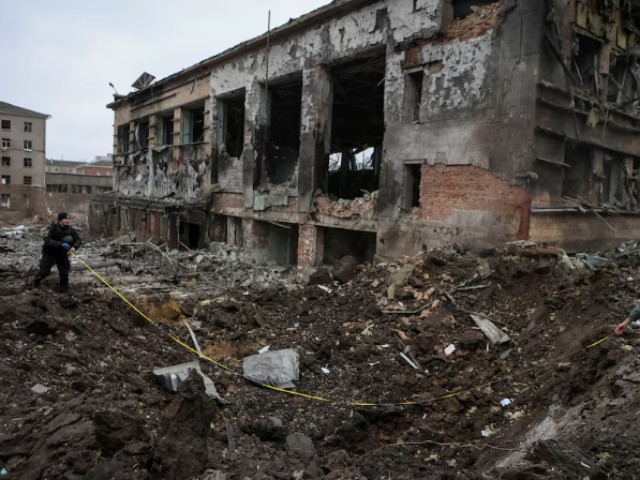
[172, 377]
[278, 367]
[39, 389]
[260, 202]
[493, 333]
[300, 446]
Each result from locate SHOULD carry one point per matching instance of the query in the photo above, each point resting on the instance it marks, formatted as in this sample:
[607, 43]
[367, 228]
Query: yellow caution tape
[284, 390]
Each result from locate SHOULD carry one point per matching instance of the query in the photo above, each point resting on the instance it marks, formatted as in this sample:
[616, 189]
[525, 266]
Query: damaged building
[388, 127]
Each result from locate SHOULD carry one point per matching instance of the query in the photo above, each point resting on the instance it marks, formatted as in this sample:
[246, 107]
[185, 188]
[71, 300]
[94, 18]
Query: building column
[310, 246]
[315, 133]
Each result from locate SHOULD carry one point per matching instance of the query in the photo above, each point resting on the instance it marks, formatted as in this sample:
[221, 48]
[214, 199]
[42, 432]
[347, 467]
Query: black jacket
[54, 239]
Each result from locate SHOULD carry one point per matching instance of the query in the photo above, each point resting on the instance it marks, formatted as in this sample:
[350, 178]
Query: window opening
[357, 128]
[28, 126]
[5, 179]
[6, 161]
[27, 180]
[142, 134]
[413, 95]
[27, 162]
[28, 144]
[6, 143]
[193, 131]
[283, 146]
[123, 138]
[6, 124]
[5, 200]
[584, 63]
[233, 125]
[166, 130]
[464, 8]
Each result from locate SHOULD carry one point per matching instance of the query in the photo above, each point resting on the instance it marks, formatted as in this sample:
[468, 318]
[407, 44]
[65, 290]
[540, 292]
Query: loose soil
[573, 405]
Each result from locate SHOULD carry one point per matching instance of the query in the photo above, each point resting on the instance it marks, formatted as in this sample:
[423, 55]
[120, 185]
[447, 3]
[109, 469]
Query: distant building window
[193, 125]
[27, 162]
[6, 161]
[166, 130]
[6, 143]
[28, 126]
[123, 138]
[6, 124]
[5, 180]
[28, 144]
[27, 180]
[5, 201]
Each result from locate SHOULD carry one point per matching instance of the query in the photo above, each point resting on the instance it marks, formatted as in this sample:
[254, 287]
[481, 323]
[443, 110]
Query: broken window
[193, 125]
[141, 134]
[166, 130]
[27, 162]
[584, 64]
[6, 143]
[26, 180]
[624, 78]
[5, 200]
[5, 179]
[283, 146]
[579, 176]
[233, 124]
[357, 128]
[339, 243]
[6, 161]
[412, 173]
[464, 8]
[413, 95]
[6, 124]
[28, 144]
[123, 138]
[28, 126]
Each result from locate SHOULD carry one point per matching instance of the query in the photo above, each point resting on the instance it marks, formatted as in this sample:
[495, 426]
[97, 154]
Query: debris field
[450, 364]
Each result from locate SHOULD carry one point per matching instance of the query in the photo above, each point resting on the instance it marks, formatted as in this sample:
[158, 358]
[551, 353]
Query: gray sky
[60, 55]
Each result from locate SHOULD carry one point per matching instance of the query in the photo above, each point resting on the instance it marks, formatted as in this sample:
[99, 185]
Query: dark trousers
[61, 261]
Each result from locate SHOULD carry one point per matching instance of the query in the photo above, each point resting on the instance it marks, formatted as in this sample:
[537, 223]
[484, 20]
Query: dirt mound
[400, 376]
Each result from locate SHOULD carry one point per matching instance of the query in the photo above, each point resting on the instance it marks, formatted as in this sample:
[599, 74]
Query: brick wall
[447, 189]
[310, 245]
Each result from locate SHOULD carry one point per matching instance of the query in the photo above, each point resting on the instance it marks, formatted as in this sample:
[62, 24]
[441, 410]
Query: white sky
[58, 56]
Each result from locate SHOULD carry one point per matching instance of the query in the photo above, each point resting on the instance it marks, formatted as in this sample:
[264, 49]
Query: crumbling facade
[387, 127]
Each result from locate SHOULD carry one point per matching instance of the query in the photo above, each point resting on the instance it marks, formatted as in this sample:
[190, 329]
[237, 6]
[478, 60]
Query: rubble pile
[451, 364]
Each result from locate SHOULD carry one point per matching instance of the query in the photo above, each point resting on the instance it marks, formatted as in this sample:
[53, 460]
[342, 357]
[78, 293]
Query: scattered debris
[279, 368]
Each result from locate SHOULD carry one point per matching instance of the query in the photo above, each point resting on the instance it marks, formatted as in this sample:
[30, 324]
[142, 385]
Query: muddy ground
[78, 398]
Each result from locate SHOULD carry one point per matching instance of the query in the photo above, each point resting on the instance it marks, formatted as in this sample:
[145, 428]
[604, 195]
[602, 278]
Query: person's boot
[64, 287]
[37, 281]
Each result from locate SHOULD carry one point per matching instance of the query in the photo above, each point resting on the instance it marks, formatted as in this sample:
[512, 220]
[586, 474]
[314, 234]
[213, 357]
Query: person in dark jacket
[61, 239]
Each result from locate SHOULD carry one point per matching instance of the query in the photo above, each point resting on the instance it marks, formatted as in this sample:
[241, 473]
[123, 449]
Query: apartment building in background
[386, 127]
[22, 166]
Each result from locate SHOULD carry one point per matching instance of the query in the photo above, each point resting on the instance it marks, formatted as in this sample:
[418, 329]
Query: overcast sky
[58, 56]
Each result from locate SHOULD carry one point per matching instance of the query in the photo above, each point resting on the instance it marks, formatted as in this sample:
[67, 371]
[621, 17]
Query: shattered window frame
[141, 134]
[193, 128]
[124, 143]
[165, 129]
[233, 120]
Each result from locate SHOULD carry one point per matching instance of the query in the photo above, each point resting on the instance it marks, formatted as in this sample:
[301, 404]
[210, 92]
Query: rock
[68, 303]
[320, 277]
[471, 338]
[114, 430]
[182, 451]
[346, 269]
[39, 389]
[300, 446]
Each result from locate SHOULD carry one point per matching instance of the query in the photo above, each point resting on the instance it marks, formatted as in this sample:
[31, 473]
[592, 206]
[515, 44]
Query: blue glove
[66, 246]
